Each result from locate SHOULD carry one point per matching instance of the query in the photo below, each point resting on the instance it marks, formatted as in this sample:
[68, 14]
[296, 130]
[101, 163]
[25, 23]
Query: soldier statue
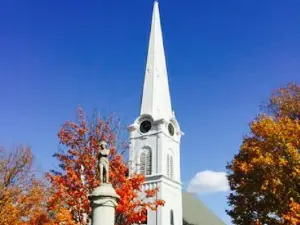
[103, 163]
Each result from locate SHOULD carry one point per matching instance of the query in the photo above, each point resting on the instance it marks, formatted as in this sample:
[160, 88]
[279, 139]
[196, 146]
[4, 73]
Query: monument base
[104, 201]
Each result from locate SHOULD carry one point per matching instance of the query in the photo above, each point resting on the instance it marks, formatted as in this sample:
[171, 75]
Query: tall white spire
[156, 95]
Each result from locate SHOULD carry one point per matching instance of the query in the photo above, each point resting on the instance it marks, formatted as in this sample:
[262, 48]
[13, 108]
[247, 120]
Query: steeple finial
[156, 99]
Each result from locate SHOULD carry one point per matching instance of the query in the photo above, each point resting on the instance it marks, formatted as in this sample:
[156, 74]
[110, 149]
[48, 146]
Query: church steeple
[154, 137]
[156, 100]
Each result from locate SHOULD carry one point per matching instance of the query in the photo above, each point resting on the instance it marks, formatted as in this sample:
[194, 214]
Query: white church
[155, 143]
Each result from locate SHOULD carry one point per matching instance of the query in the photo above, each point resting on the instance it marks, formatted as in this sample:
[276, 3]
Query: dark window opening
[145, 211]
[171, 217]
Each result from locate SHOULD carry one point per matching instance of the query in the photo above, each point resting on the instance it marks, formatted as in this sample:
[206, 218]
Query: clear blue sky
[224, 59]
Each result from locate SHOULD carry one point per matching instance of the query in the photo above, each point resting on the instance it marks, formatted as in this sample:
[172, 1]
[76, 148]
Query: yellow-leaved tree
[264, 176]
[23, 196]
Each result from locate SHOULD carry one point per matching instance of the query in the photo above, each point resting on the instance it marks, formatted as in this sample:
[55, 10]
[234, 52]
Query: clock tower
[155, 135]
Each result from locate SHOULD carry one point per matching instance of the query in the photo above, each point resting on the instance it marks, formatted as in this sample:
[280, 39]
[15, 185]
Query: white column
[104, 201]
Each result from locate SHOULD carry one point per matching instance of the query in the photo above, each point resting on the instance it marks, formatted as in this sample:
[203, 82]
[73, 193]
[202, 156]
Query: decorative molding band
[104, 202]
[144, 136]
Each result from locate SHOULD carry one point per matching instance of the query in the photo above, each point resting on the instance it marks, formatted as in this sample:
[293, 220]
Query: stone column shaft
[104, 201]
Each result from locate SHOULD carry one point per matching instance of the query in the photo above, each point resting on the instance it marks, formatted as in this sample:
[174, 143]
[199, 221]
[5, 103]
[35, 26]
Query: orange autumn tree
[293, 215]
[23, 196]
[264, 176]
[78, 175]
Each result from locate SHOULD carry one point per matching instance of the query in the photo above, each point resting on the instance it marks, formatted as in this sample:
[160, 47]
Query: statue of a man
[103, 163]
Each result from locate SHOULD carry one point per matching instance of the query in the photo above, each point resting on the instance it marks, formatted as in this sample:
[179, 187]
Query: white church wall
[172, 195]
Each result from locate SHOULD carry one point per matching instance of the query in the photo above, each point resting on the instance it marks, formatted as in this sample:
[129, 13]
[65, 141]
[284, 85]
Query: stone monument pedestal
[104, 201]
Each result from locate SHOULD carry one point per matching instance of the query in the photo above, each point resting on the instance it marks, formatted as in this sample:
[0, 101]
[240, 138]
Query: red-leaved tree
[78, 176]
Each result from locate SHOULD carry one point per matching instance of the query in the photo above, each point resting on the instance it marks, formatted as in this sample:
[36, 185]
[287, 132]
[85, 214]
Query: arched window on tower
[170, 165]
[142, 163]
[146, 161]
[171, 217]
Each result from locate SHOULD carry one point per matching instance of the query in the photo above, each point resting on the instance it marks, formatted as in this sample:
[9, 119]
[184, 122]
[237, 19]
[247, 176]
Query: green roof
[196, 213]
